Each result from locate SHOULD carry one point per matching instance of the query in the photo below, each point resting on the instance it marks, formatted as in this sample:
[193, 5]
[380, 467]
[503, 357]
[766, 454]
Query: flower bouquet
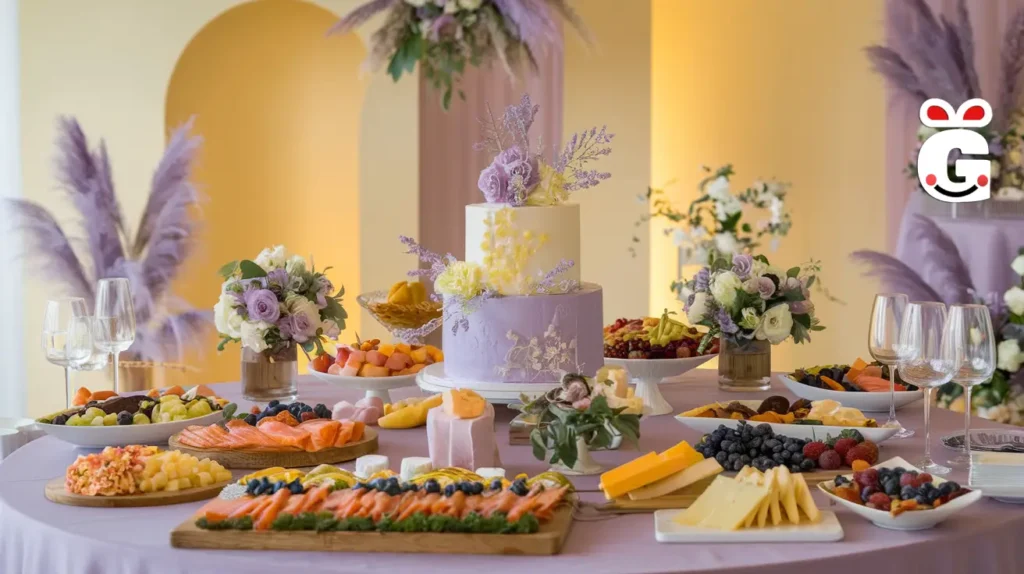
[445, 35]
[751, 305]
[576, 418]
[273, 305]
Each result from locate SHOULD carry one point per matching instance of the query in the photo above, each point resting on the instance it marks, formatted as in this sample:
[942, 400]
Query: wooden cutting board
[55, 492]
[683, 498]
[258, 459]
[546, 541]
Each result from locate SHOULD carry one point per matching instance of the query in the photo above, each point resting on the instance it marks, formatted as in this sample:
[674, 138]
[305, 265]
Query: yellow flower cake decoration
[506, 253]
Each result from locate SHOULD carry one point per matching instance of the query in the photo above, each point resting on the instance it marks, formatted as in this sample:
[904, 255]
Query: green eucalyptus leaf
[250, 270]
[793, 272]
[227, 271]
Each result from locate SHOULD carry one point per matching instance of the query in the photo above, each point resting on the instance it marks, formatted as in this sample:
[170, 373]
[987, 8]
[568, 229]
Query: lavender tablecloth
[40, 537]
[987, 246]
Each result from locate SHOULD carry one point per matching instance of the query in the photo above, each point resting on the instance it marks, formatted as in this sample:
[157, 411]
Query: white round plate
[432, 379]
[871, 402]
[374, 386]
[805, 432]
[1007, 494]
[910, 520]
[647, 374]
[117, 435]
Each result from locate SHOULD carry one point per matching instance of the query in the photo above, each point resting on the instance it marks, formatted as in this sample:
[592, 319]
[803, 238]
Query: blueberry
[377, 484]
[360, 486]
[496, 484]
[721, 456]
[899, 470]
[794, 447]
[766, 429]
[393, 489]
[953, 486]
[412, 487]
[478, 488]
[252, 484]
[945, 488]
[251, 419]
[786, 455]
[777, 457]
[296, 487]
[449, 490]
[737, 465]
[124, 418]
[753, 452]
[922, 499]
[432, 486]
[891, 487]
[745, 459]
[273, 404]
[807, 465]
[725, 445]
[908, 492]
[840, 480]
[796, 458]
[733, 457]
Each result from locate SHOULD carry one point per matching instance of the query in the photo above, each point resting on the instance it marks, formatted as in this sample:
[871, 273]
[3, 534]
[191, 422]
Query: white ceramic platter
[647, 374]
[666, 529]
[910, 520]
[98, 437]
[374, 386]
[805, 432]
[870, 402]
[433, 380]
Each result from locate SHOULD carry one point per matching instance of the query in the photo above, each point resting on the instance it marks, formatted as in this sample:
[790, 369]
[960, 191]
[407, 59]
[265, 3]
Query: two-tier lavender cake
[515, 311]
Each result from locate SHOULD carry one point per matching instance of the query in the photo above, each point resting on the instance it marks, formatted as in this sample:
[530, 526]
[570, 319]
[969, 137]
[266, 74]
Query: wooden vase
[745, 366]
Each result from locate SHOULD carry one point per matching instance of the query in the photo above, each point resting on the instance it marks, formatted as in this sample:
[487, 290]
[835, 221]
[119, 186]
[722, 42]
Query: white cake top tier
[554, 230]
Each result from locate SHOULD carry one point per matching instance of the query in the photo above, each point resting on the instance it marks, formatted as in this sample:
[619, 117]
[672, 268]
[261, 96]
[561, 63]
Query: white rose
[1014, 299]
[1009, 355]
[470, 4]
[330, 329]
[254, 335]
[272, 258]
[776, 325]
[750, 318]
[725, 243]
[758, 269]
[718, 189]
[750, 285]
[295, 265]
[298, 304]
[226, 319]
[699, 309]
[726, 208]
[685, 292]
[725, 287]
[1018, 265]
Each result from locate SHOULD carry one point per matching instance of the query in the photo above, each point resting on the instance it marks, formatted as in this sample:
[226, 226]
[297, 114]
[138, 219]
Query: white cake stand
[432, 379]
[647, 374]
[374, 386]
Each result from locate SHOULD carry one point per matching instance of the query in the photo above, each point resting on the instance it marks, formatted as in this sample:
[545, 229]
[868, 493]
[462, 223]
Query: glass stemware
[883, 344]
[969, 355]
[115, 319]
[56, 321]
[921, 363]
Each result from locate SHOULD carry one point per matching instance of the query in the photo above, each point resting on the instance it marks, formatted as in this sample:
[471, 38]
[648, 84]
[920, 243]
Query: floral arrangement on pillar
[443, 36]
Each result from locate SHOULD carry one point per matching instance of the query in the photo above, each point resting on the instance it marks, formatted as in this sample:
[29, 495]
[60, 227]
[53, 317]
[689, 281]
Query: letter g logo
[973, 176]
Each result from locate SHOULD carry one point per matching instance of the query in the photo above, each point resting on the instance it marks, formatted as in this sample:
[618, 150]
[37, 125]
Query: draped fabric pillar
[989, 19]
[450, 167]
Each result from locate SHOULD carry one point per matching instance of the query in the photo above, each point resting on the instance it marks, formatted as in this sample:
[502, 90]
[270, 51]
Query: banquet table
[41, 537]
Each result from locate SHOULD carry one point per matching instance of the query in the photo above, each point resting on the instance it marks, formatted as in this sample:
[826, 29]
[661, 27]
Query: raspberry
[844, 444]
[829, 460]
[907, 479]
[866, 477]
[859, 452]
[813, 450]
[880, 499]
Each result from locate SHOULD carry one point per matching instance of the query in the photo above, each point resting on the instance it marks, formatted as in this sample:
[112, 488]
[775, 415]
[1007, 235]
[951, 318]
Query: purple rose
[800, 307]
[284, 324]
[523, 172]
[278, 278]
[725, 322]
[324, 289]
[302, 329]
[262, 305]
[493, 183]
[765, 287]
[742, 265]
[702, 279]
[792, 284]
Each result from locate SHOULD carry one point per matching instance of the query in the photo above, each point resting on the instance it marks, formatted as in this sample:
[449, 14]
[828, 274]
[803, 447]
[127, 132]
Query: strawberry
[843, 445]
[813, 450]
[859, 452]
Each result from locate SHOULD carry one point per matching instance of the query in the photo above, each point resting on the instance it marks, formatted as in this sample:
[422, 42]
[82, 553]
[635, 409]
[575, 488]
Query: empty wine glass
[969, 355]
[59, 313]
[921, 363]
[78, 344]
[883, 344]
[115, 319]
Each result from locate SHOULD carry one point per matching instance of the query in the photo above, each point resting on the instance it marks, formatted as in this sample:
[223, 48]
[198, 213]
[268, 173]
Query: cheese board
[666, 529]
[55, 491]
[262, 458]
[548, 540]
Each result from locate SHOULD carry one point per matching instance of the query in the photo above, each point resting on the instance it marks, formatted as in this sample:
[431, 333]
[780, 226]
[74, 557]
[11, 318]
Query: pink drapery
[988, 21]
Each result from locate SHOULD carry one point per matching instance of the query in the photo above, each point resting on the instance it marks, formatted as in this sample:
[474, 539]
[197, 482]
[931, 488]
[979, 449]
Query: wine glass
[883, 344]
[969, 355]
[115, 319]
[78, 345]
[59, 313]
[921, 363]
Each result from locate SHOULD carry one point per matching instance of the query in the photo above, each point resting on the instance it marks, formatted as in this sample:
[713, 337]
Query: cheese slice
[804, 500]
[774, 508]
[617, 482]
[787, 497]
[725, 505]
[634, 466]
[691, 475]
[686, 451]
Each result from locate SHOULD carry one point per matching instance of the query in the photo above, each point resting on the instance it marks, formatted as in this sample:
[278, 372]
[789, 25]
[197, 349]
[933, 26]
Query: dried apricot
[860, 465]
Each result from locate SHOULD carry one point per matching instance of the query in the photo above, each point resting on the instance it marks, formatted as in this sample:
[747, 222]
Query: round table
[40, 537]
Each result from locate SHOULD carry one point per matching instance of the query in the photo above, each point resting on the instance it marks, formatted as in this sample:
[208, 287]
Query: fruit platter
[862, 385]
[448, 510]
[651, 350]
[405, 310]
[375, 367]
[803, 419]
[137, 475]
[898, 496]
[281, 435]
[103, 419]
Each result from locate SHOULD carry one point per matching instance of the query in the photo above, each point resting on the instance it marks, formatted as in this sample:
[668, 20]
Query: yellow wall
[778, 89]
[110, 63]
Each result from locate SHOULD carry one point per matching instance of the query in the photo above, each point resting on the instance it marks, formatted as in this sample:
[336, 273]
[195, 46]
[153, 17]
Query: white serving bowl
[117, 435]
[374, 386]
[647, 374]
[910, 520]
[865, 401]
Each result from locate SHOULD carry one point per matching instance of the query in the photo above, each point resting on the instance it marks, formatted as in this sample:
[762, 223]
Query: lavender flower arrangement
[150, 258]
[520, 176]
[445, 35]
[275, 301]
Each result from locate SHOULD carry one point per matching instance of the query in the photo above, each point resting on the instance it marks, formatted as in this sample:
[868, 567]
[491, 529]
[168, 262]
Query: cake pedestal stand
[433, 380]
[374, 386]
[647, 374]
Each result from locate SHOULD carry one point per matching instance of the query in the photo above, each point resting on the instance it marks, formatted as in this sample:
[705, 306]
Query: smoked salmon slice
[287, 436]
[266, 518]
[323, 432]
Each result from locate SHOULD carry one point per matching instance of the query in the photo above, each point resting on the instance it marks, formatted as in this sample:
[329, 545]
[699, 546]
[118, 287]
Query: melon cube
[343, 354]
[434, 353]
[369, 370]
[386, 349]
[415, 369]
[376, 358]
[334, 369]
[350, 371]
[398, 361]
[419, 355]
[403, 348]
[354, 361]
[357, 355]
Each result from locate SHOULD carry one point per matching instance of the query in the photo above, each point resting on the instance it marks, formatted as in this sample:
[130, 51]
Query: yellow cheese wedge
[688, 476]
[804, 500]
[774, 508]
[686, 451]
[462, 403]
[787, 497]
[634, 466]
[654, 469]
[725, 505]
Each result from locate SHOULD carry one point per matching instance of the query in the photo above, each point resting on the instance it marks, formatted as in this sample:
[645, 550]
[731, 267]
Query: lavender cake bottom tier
[526, 339]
